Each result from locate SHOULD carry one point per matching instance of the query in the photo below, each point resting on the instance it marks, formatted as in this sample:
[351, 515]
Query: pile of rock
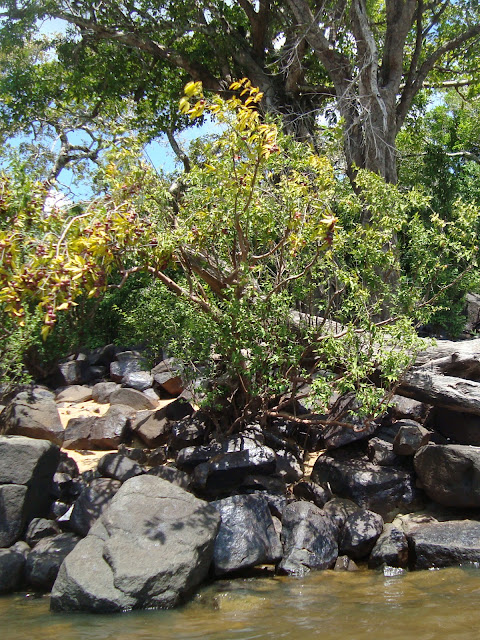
[174, 504]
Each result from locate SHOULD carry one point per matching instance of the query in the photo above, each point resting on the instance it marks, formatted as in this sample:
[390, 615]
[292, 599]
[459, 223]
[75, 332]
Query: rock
[227, 470]
[450, 474]
[94, 432]
[288, 467]
[360, 533]
[409, 409]
[40, 528]
[27, 467]
[312, 492]
[339, 510]
[459, 427]
[309, 539]
[444, 544]
[127, 362]
[102, 391]
[44, 561]
[67, 465]
[335, 437]
[155, 429]
[344, 563]
[75, 372]
[33, 414]
[351, 475]
[12, 565]
[74, 393]
[91, 503]
[132, 398]
[381, 452]
[168, 374]
[188, 432]
[391, 549]
[247, 535]
[410, 437]
[139, 380]
[157, 457]
[118, 467]
[190, 457]
[473, 313]
[149, 549]
[175, 476]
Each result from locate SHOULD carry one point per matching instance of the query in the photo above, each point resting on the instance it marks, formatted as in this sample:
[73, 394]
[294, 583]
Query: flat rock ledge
[149, 549]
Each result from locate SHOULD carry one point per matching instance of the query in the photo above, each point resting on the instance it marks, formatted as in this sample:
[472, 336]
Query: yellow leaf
[45, 331]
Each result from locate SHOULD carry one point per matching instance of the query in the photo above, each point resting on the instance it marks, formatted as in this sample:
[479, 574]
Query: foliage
[257, 226]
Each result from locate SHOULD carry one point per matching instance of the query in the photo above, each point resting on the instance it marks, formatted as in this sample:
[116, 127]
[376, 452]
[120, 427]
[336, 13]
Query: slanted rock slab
[150, 548]
[445, 544]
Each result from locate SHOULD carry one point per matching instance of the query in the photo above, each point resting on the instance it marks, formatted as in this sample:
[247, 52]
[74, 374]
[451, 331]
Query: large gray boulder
[309, 539]
[27, 467]
[149, 549]
[12, 565]
[450, 474]
[33, 414]
[247, 535]
[444, 544]
[91, 503]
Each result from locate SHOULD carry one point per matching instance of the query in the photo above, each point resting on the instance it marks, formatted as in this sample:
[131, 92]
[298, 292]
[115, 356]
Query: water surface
[352, 606]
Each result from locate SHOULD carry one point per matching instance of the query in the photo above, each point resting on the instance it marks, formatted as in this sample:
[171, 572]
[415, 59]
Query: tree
[372, 57]
[249, 232]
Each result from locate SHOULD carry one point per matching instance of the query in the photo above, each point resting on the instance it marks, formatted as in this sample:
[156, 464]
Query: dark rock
[33, 414]
[360, 532]
[157, 457]
[186, 433]
[309, 539]
[337, 436]
[59, 509]
[180, 478]
[118, 467]
[344, 563]
[134, 453]
[351, 475]
[102, 356]
[256, 482]
[67, 465]
[155, 429]
[91, 503]
[127, 362]
[94, 432]
[381, 452]
[149, 549]
[445, 544]
[102, 391]
[247, 535]
[190, 457]
[288, 467]
[75, 372]
[391, 549]
[139, 380]
[410, 437]
[408, 408]
[132, 398]
[12, 565]
[44, 561]
[312, 492]
[74, 393]
[40, 528]
[168, 374]
[227, 470]
[450, 474]
[339, 510]
[461, 428]
[26, 471]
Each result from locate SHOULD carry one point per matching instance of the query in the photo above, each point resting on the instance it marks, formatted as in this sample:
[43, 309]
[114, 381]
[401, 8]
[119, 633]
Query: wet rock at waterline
[149, 549]
[360, 532]
[309, 539]
[247, 535]
[391, 549]
[445, 544]
[12, 566]
[44, 560]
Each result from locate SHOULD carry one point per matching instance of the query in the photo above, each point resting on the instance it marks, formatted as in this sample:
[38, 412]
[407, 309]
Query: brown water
[427, 605]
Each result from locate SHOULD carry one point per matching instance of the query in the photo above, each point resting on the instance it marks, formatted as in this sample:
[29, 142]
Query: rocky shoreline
[171, 504]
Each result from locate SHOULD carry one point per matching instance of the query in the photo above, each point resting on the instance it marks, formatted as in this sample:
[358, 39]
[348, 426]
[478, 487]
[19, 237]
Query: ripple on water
[431, 605]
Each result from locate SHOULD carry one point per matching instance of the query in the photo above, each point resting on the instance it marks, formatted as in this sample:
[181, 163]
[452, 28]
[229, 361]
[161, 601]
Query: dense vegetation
[265, 263]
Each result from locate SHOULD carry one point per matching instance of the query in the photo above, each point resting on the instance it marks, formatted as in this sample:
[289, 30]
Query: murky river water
[427, 605]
